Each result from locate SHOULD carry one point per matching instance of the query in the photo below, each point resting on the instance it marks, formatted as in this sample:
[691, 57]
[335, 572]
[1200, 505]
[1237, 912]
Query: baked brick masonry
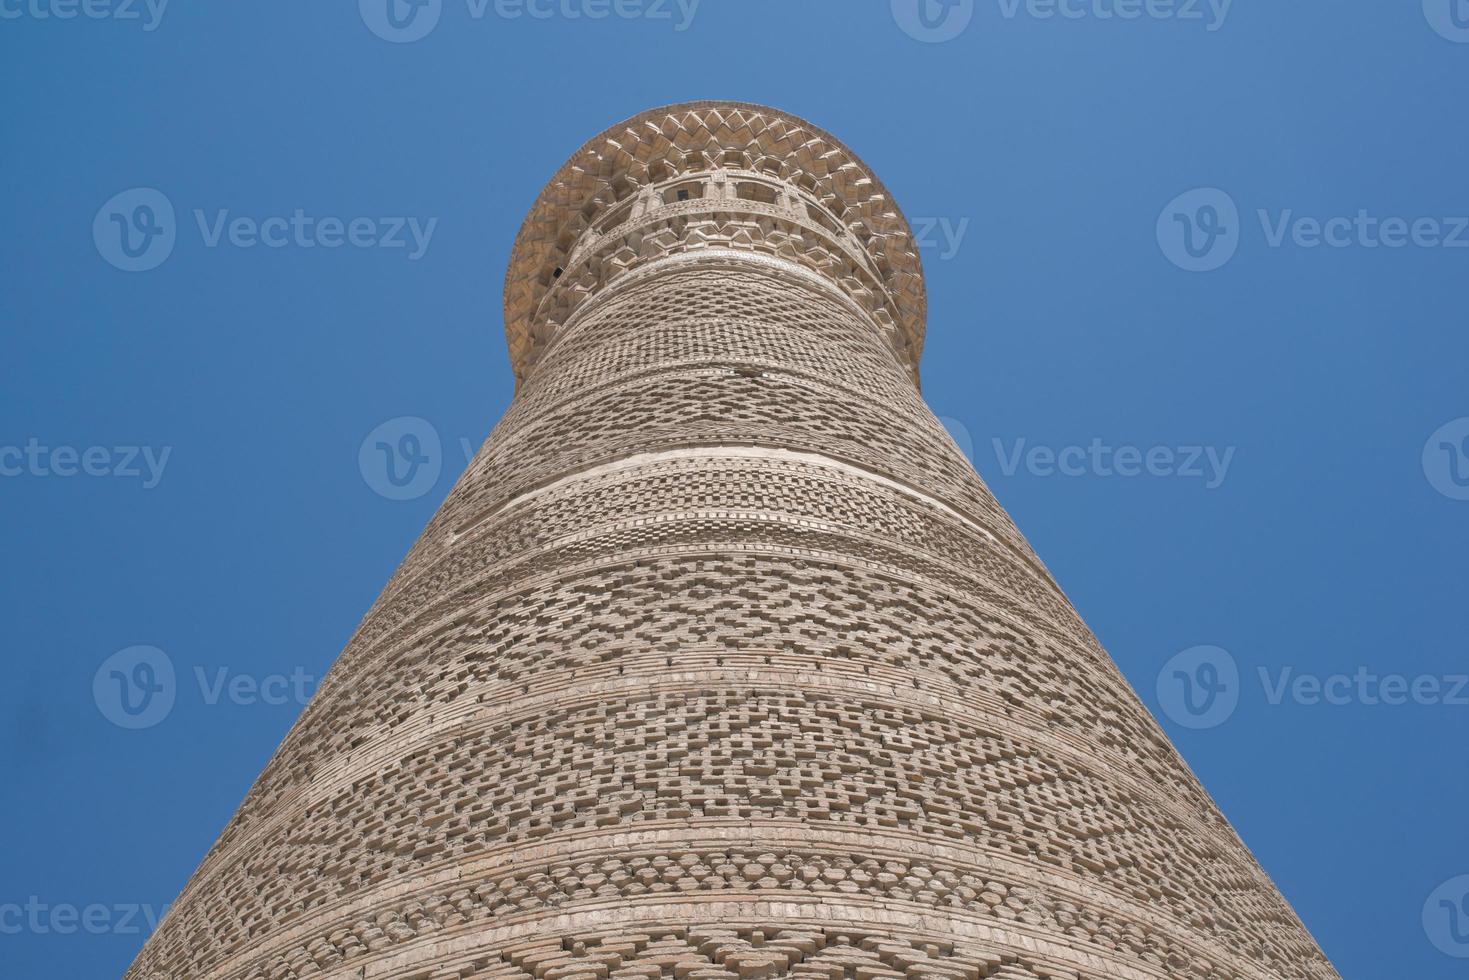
[720, 661]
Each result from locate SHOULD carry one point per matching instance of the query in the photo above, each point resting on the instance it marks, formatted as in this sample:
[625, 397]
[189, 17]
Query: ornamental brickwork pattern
[720, 661]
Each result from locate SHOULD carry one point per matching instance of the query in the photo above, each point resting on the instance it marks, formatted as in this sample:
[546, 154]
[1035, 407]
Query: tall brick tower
[720, 661]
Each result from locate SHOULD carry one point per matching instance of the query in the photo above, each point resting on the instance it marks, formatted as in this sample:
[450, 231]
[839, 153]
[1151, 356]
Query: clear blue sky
[1061, 316]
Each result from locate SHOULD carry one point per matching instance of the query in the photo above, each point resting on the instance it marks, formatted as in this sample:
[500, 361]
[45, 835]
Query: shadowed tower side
[720, 661]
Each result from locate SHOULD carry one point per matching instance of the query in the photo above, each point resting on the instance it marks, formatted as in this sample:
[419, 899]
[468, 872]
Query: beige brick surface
[720, 661]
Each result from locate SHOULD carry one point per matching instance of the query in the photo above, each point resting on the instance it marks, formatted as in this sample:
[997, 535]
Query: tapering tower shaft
[720, 661]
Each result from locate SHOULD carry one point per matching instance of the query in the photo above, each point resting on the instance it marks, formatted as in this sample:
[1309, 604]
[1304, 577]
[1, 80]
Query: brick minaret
[720, 660]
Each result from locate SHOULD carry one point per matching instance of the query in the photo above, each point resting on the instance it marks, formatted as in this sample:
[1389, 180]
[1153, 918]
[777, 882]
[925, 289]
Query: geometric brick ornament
[720, 661]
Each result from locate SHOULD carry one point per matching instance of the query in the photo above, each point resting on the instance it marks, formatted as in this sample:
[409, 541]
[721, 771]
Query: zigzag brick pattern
[720, 661]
